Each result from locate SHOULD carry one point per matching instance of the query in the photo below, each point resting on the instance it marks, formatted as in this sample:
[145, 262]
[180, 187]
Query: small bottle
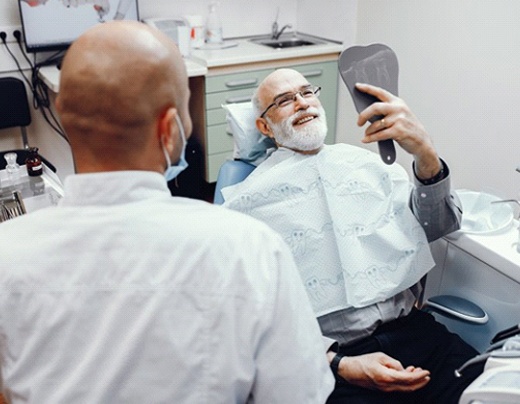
[12, 168]
[213, 25]
[34, 163]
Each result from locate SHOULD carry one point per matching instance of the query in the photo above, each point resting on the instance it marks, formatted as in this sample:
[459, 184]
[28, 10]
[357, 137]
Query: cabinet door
[219, 139]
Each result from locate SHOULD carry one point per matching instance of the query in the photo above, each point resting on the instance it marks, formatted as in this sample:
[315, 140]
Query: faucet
[275, 34]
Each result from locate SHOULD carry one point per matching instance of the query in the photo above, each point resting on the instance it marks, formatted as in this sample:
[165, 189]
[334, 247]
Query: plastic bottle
[213, 25]
[34, 163]
[196, 24]
[12, 168]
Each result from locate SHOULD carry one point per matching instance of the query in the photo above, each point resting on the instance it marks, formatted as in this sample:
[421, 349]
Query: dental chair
[15, 112]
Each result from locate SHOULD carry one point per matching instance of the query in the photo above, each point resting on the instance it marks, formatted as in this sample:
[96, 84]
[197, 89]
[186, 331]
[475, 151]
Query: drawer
[235, 81]
[215, 100]
[215, 116]
[318, 73]
[218, 139]
[213, 164]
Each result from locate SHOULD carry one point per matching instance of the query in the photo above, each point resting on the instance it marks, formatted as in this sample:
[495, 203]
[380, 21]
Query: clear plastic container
[213, 25]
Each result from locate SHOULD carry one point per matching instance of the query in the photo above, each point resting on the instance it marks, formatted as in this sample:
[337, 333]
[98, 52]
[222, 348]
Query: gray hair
[255, 100]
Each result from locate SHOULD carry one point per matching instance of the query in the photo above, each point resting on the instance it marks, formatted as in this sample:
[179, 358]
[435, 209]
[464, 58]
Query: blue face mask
[173, 171]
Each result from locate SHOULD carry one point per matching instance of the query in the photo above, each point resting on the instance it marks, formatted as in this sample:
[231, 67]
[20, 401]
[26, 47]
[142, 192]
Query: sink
[287, 41]
[480, 215]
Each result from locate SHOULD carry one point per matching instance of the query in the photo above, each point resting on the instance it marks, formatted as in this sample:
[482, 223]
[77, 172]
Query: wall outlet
[9, 30]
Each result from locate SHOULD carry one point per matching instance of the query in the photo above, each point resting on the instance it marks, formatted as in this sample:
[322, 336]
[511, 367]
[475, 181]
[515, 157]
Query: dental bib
[345, 215]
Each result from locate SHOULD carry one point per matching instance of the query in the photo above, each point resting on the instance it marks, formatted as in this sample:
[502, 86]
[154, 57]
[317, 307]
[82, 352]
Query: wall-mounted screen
[54, 24]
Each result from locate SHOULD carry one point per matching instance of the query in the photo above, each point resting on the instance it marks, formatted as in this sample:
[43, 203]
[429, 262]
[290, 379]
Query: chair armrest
[456, 307]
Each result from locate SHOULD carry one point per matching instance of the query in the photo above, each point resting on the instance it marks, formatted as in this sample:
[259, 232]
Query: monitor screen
[54, 24]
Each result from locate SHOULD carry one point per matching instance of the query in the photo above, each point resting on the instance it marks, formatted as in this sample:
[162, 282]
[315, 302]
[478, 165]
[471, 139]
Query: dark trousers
[420, 341]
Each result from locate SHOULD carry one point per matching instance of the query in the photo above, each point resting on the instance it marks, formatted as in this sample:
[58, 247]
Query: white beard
[310, 137]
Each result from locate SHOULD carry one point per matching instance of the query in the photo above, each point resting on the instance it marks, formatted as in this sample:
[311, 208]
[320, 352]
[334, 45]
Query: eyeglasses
[286, 99]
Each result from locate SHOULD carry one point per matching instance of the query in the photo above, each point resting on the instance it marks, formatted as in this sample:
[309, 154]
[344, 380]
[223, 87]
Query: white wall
[460, 73]
[244, 17]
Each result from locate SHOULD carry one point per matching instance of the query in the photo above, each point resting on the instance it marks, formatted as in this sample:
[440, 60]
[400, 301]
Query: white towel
[345, 215]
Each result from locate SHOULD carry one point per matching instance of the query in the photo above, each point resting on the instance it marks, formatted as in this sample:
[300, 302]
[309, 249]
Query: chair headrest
[249, 144]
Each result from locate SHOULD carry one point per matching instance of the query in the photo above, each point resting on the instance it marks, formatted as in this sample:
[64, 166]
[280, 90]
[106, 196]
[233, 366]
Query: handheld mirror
[374, 64]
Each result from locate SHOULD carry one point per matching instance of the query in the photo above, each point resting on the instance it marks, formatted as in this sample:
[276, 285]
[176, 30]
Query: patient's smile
[305, 119]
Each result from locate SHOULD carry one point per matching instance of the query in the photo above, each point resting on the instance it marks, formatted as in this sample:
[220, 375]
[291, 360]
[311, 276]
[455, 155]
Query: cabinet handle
[312, 73]
[237, 99]
[241, 83]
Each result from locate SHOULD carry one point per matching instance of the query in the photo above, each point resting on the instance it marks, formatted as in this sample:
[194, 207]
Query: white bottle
[196, 24]
[213, 25]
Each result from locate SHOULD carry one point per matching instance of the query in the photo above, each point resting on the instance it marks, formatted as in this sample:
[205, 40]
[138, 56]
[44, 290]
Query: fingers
[409, 379]
[378, 127]
[390, 362]
[382, 372]
[388, 374]
[387, 106]
[377, 92]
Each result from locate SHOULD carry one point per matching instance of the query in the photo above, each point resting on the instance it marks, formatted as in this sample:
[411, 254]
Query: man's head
[289, 111]
[123, 96]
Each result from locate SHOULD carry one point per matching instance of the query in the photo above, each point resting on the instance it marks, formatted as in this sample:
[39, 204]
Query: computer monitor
[52, 25]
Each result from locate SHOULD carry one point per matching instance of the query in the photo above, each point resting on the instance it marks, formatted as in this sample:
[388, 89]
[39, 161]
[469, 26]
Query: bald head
[117, 81]
[277, 82]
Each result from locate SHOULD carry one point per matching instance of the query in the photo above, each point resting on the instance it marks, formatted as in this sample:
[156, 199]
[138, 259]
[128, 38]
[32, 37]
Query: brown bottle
[34, 163]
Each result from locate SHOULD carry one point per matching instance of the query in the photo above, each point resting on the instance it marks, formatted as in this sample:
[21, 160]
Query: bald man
[123, 294]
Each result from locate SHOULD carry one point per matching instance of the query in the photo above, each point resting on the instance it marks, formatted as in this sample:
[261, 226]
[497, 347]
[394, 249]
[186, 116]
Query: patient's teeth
[306, 119]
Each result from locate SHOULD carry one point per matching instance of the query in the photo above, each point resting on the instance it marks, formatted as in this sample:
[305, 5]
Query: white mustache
[310, 110]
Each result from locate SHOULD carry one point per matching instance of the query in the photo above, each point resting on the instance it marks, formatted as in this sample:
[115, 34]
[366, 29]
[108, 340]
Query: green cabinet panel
[218, 139]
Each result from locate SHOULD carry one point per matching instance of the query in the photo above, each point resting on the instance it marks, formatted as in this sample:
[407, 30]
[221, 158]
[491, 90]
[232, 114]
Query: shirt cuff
[442, 174]
[330, 344]
[434, 193]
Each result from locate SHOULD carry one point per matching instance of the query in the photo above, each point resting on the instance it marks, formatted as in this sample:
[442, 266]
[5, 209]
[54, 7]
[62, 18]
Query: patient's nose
[300, 102]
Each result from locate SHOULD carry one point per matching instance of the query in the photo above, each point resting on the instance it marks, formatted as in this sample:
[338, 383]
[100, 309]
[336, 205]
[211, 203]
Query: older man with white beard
[359, 231]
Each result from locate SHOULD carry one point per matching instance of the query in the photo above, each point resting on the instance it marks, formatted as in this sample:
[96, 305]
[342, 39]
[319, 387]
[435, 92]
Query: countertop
[51, 74]
[242, 51]
[233, 52]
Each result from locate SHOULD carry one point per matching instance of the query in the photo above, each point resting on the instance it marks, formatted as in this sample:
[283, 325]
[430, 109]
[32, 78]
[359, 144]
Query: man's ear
[263, 126]
[166, 126]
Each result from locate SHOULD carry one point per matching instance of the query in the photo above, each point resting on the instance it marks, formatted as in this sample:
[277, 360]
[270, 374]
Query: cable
[4, 40]
[40, 91]
[18, 35]
[38, 88]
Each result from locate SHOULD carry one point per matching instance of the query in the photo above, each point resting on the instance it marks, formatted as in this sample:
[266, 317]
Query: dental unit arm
[503, 348]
